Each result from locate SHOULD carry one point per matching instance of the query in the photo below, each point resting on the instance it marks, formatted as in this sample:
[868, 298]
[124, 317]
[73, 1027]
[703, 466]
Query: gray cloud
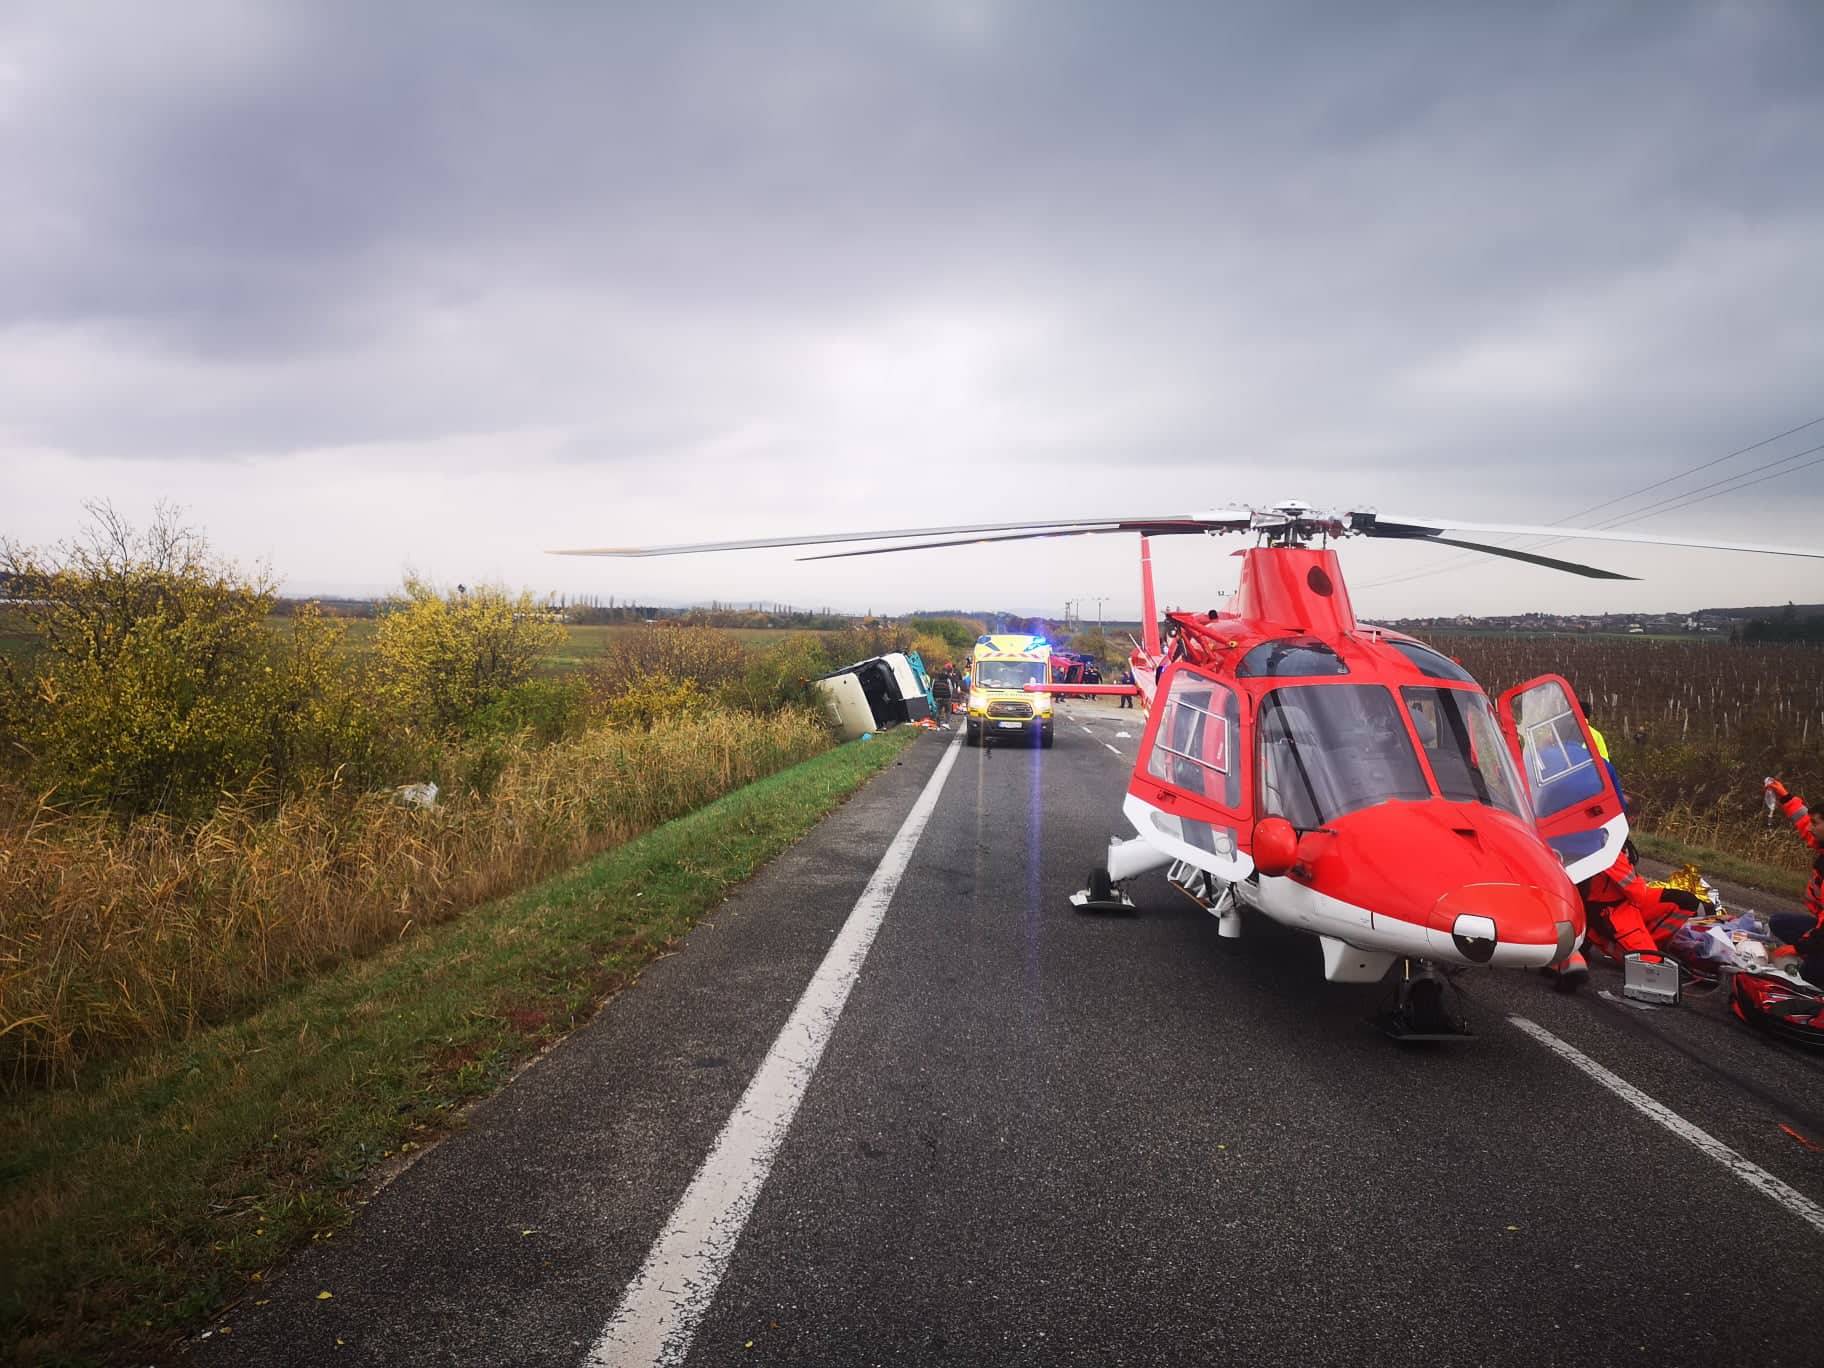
[1498, 259]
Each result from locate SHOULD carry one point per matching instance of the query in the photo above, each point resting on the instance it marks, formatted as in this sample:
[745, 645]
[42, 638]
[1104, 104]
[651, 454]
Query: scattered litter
[1124, 736]
[325, 1296]
[417, 795]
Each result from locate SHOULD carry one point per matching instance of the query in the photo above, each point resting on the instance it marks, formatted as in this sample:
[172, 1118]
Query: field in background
[580, 646]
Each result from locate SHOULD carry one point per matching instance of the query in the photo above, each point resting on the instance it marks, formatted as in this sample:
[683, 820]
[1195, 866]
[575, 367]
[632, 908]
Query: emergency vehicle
[1002, 667]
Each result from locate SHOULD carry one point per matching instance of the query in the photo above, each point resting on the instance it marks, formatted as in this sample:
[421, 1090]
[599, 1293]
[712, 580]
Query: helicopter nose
[1507, 925]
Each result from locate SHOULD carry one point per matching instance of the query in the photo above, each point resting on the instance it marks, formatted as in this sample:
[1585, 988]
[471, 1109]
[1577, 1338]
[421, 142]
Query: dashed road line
[1746, 1169]
[662, 1307]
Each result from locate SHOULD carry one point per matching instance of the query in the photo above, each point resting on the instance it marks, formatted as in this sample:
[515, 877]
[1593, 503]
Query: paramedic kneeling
[1628, 915]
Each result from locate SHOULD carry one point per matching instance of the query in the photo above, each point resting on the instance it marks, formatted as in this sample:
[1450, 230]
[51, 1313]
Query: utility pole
[1100, 600]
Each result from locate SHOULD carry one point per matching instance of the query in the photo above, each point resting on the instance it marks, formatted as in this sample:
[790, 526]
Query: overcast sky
[439, 285]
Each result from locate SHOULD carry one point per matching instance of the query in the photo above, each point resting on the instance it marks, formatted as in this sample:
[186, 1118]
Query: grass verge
[139, 1202]
[1722, 865]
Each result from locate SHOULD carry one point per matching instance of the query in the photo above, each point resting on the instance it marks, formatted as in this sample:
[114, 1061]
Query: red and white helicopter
[1341, 778]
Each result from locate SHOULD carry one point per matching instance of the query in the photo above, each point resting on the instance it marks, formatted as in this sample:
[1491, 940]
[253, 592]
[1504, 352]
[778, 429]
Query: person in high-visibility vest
[1803, 931]
[1602, 750]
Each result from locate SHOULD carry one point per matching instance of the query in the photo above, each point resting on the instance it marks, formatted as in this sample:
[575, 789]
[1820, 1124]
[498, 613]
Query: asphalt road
[1040, 1137]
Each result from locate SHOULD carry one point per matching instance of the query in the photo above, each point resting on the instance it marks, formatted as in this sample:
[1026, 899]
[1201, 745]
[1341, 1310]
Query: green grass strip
[1722, 865]
[137, 1204]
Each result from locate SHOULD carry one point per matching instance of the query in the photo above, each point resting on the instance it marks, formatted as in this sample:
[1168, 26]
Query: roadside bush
[934, 651]
[156, 685]
[957, 633]
[656, 698]
[443, 659]
[858, 643]
[778, 677]
[112, 935]
[707, 656]
[545, 710]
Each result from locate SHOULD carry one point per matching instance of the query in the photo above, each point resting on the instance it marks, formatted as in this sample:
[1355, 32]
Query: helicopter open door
[1575, 803]
[1190, 790]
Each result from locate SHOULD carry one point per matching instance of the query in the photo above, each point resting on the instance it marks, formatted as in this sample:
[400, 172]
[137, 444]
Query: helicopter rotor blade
[1432, 529]
[1222, 520]
[1150, 529]
[1531, 558]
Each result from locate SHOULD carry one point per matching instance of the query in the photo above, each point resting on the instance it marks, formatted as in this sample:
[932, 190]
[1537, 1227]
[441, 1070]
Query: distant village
[1785, 622]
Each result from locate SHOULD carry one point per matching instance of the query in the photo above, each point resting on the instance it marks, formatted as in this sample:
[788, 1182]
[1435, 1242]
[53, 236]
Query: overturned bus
[873, 694]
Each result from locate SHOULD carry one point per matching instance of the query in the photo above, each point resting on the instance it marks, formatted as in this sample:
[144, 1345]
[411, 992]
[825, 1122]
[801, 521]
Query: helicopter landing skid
[1422, 1008]
[1102, 895]
[1117, 901]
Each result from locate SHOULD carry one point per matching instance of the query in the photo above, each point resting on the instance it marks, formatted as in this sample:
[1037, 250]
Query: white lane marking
[1085, 728]
[1747, 1170]
[667, 1299]
[1115, 749]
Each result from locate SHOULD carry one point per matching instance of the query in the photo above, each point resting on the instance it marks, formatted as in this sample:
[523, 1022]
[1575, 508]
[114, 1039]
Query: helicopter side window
[1330, 749]
[1194, 747]
[1432, 664]
[1462, 743]
[1559, 764]
[1290, 657]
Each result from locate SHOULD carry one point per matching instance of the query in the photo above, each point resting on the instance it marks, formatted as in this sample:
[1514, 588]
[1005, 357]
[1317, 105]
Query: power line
[1684, 499]
[1657, 506]
[1707, 497]
[1639, 513]
[1644, 489]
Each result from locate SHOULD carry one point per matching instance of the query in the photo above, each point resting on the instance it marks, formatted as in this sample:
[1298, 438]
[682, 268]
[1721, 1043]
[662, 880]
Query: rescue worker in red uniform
[1627, 915]
[1803, 931]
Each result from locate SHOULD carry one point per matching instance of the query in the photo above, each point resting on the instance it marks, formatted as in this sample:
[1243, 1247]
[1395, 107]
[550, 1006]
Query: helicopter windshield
[1464, 746]
[1331, 749]
[1008, 674]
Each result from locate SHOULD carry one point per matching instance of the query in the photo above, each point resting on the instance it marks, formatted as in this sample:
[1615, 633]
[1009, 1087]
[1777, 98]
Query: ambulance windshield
[1008, 674]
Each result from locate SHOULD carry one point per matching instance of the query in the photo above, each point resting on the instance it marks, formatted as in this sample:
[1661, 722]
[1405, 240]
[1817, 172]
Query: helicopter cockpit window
[1462, 742]
[1431, 664]
[1194, 747]
[1291, 657]
[1330, 749]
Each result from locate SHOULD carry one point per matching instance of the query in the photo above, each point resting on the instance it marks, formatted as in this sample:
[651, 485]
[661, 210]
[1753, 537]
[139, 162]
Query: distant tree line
[1786, 626]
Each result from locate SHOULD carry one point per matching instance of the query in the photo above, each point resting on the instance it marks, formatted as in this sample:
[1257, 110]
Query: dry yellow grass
[110, 936]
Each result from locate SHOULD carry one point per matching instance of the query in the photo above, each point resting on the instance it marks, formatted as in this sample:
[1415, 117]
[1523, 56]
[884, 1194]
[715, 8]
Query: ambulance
[999, 705]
